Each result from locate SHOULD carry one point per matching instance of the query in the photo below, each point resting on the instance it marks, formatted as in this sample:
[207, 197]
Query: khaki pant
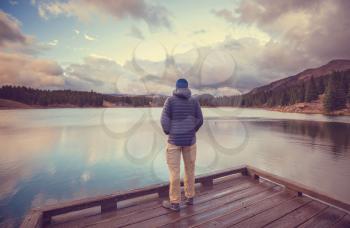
[173, 157]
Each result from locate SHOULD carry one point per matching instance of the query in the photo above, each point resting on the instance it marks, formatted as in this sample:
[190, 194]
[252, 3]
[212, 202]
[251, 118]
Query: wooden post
[41, 216]
[33, 219]
[108, 205]
[207, 182]
[255, 176]
[164, 191]
[245, 172]
[46, 220]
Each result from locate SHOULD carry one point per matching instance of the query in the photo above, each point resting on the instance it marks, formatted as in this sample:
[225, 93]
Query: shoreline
[302, 108]
[309, 108]
[310, 112]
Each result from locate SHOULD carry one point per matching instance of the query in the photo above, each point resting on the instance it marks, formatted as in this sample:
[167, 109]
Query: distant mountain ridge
[325, 89]
[334, 65]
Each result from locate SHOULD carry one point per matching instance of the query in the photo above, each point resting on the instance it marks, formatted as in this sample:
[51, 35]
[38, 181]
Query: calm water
[53, 155]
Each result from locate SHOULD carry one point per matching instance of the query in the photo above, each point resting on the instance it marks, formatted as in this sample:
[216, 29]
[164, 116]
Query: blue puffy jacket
[181, 118]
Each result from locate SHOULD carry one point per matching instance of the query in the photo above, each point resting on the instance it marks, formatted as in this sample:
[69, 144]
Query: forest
[37, 97]
[335, 87]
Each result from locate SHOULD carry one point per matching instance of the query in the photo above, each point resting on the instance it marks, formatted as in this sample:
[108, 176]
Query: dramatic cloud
[96, 72]
[10, 31]
[25, 70]
[303, 33]
[17, 67]
[153, 15]
[208, 69]
[267, 42]
[13, 40]
[104, 74]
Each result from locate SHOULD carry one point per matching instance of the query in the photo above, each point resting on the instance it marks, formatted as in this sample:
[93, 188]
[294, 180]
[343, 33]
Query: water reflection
[333, 135]
[48, 156]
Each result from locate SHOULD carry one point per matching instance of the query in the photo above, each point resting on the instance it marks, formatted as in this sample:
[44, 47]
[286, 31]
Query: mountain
[334, 65]
[318, 90]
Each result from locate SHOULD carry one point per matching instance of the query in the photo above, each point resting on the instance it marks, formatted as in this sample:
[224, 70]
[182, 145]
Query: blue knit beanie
[181, 83]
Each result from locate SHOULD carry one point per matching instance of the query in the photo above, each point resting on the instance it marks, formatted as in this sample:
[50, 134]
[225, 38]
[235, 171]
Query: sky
[221, 47]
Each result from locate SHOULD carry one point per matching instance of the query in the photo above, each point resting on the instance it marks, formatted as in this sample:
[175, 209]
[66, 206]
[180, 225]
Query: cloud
[53, 43]
[13, 40]
[97, 72]
[25, 70]
[225, 14]
[105, 75]
[17, 65]
[221, 91]
[13, 3]
[206, 68]
[89, 38]
[303, 34]
[263, 12]
[10, 32]
[153, 14]
[136, 33]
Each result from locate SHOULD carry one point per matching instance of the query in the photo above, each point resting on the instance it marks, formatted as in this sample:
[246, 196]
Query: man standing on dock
[181, 119]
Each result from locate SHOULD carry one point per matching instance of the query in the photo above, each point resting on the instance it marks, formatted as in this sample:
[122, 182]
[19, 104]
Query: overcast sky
[222, 47]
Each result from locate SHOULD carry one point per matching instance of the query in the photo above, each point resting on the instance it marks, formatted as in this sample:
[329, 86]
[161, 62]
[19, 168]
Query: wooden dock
[238, 197]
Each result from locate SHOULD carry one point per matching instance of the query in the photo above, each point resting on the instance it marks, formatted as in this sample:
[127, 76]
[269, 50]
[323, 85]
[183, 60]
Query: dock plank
[34, 219]
[344, 222]
[299, 216]
[234, 183]
[216, 208]
[274, 213]
[201, 202]
[327, 218]
[232, 217]
[236, 197]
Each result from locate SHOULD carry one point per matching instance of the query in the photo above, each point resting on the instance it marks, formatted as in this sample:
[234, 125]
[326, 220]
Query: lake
[53, 155]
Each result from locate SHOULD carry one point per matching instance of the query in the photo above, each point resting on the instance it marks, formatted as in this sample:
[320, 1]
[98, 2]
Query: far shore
[303, 108]
[315, 107]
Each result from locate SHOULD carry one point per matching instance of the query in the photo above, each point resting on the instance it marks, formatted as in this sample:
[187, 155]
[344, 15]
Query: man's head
[181, 83]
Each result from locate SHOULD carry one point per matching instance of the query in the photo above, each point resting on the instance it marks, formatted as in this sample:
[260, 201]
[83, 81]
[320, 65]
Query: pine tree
[335, 96]
[330, 97]
[311, 91]
[340, 92]
[302, 93]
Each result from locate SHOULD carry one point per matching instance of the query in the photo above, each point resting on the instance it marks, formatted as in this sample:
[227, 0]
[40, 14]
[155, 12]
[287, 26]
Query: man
[181, 119]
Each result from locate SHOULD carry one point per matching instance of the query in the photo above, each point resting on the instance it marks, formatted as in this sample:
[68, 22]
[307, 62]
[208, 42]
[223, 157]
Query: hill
[322, 71]
[10, 104]
[317, 90]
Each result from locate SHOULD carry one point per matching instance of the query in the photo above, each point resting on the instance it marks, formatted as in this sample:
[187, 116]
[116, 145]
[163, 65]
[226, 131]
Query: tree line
[39, 97]
[136, 100]
[44, 98]
[335, 87]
